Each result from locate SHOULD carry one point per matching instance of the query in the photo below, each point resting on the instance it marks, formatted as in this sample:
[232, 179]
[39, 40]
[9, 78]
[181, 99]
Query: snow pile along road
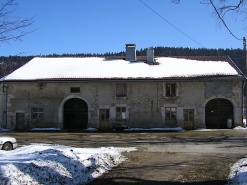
[54, 164]
[4, 130]
[238, 173]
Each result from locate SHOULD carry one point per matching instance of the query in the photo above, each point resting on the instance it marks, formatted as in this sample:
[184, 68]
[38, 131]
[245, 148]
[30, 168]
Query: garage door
[75, 114]
[217, 112]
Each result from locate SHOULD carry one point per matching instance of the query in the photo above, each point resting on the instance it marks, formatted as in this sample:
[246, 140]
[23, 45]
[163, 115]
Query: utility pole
[245, 59]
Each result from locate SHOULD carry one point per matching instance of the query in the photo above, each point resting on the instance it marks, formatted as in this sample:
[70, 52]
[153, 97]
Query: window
[170, 89]
[121, 90]
[37, 113]
[121, 113]
[170, 113]
[104, 114]
[75, 89]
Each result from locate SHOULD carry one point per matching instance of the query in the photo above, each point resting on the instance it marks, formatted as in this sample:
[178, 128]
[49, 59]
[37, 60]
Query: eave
[166, 79]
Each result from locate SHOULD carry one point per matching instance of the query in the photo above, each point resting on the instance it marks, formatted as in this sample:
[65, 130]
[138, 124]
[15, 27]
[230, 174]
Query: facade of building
[79, 93]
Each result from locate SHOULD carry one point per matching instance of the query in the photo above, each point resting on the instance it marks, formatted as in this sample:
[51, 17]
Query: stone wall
[145, 102]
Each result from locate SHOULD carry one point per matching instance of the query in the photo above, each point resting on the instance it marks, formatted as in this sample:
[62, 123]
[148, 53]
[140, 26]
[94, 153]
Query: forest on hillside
[11, 63]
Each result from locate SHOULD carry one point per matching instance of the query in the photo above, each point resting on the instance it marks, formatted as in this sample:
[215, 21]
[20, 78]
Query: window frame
[38, 112]
[122, 90]
[171, 93]
[170, 113]
[121, 114]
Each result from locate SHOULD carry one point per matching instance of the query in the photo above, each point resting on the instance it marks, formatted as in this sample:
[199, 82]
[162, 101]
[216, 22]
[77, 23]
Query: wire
[171, 23]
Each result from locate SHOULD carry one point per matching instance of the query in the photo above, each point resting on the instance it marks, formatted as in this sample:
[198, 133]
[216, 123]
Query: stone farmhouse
[127, 91]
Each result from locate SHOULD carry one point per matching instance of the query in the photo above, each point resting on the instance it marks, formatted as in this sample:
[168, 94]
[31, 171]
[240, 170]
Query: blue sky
[99, 26]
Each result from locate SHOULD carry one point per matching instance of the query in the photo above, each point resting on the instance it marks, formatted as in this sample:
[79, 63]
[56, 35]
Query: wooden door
[104, 118]
[20, 121]
[75, 114]
[217, 111]
[189, 119]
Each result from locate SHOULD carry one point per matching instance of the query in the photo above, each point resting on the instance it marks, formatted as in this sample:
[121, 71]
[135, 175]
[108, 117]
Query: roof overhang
[175, 79]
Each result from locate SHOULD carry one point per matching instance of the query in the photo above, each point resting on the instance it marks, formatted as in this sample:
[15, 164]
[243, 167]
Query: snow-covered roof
[102, 68]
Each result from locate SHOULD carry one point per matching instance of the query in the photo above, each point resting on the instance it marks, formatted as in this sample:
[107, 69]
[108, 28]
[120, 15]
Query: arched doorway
[75, 114]
[217, 111]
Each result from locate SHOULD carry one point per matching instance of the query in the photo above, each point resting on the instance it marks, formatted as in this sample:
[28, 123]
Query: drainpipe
[157, 98]
[6, 103]
[244, 125]
[245, 59]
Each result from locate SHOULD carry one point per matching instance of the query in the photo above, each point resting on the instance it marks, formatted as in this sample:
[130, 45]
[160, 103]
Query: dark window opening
[121, 90]
[170, 89]
[37, 113]
[75, 89]
[121, 113]
[170, 113]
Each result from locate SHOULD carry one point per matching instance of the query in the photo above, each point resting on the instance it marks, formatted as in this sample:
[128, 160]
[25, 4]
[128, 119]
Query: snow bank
[55, 164]
[238, 173]
[204, 129]
[130, 129]
[240, 128]
[91, 129]
[155, 129]
[43, 129]
[3, 129]
[236, 128]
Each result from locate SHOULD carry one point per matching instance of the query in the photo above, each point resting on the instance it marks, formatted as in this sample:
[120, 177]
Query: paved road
[190, 157]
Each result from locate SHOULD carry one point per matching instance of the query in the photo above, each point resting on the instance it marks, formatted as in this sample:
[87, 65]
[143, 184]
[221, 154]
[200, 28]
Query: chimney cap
[130, 52]
[133, 45]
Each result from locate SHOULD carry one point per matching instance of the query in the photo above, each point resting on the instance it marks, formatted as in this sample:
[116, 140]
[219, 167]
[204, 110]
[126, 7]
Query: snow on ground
[236, 128]
[94, 129]
[91, 129]
[3, 129]
[240, 128]
[56, 164]
[205, 129]
[44, 129]
[238, 173]
[155, 129]
[130, 129]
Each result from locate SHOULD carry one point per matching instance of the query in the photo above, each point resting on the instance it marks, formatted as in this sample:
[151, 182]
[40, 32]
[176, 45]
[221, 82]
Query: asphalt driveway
[188, 157]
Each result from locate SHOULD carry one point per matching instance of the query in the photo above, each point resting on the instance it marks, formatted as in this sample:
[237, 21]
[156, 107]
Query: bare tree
[224, 7]
[12, 28]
